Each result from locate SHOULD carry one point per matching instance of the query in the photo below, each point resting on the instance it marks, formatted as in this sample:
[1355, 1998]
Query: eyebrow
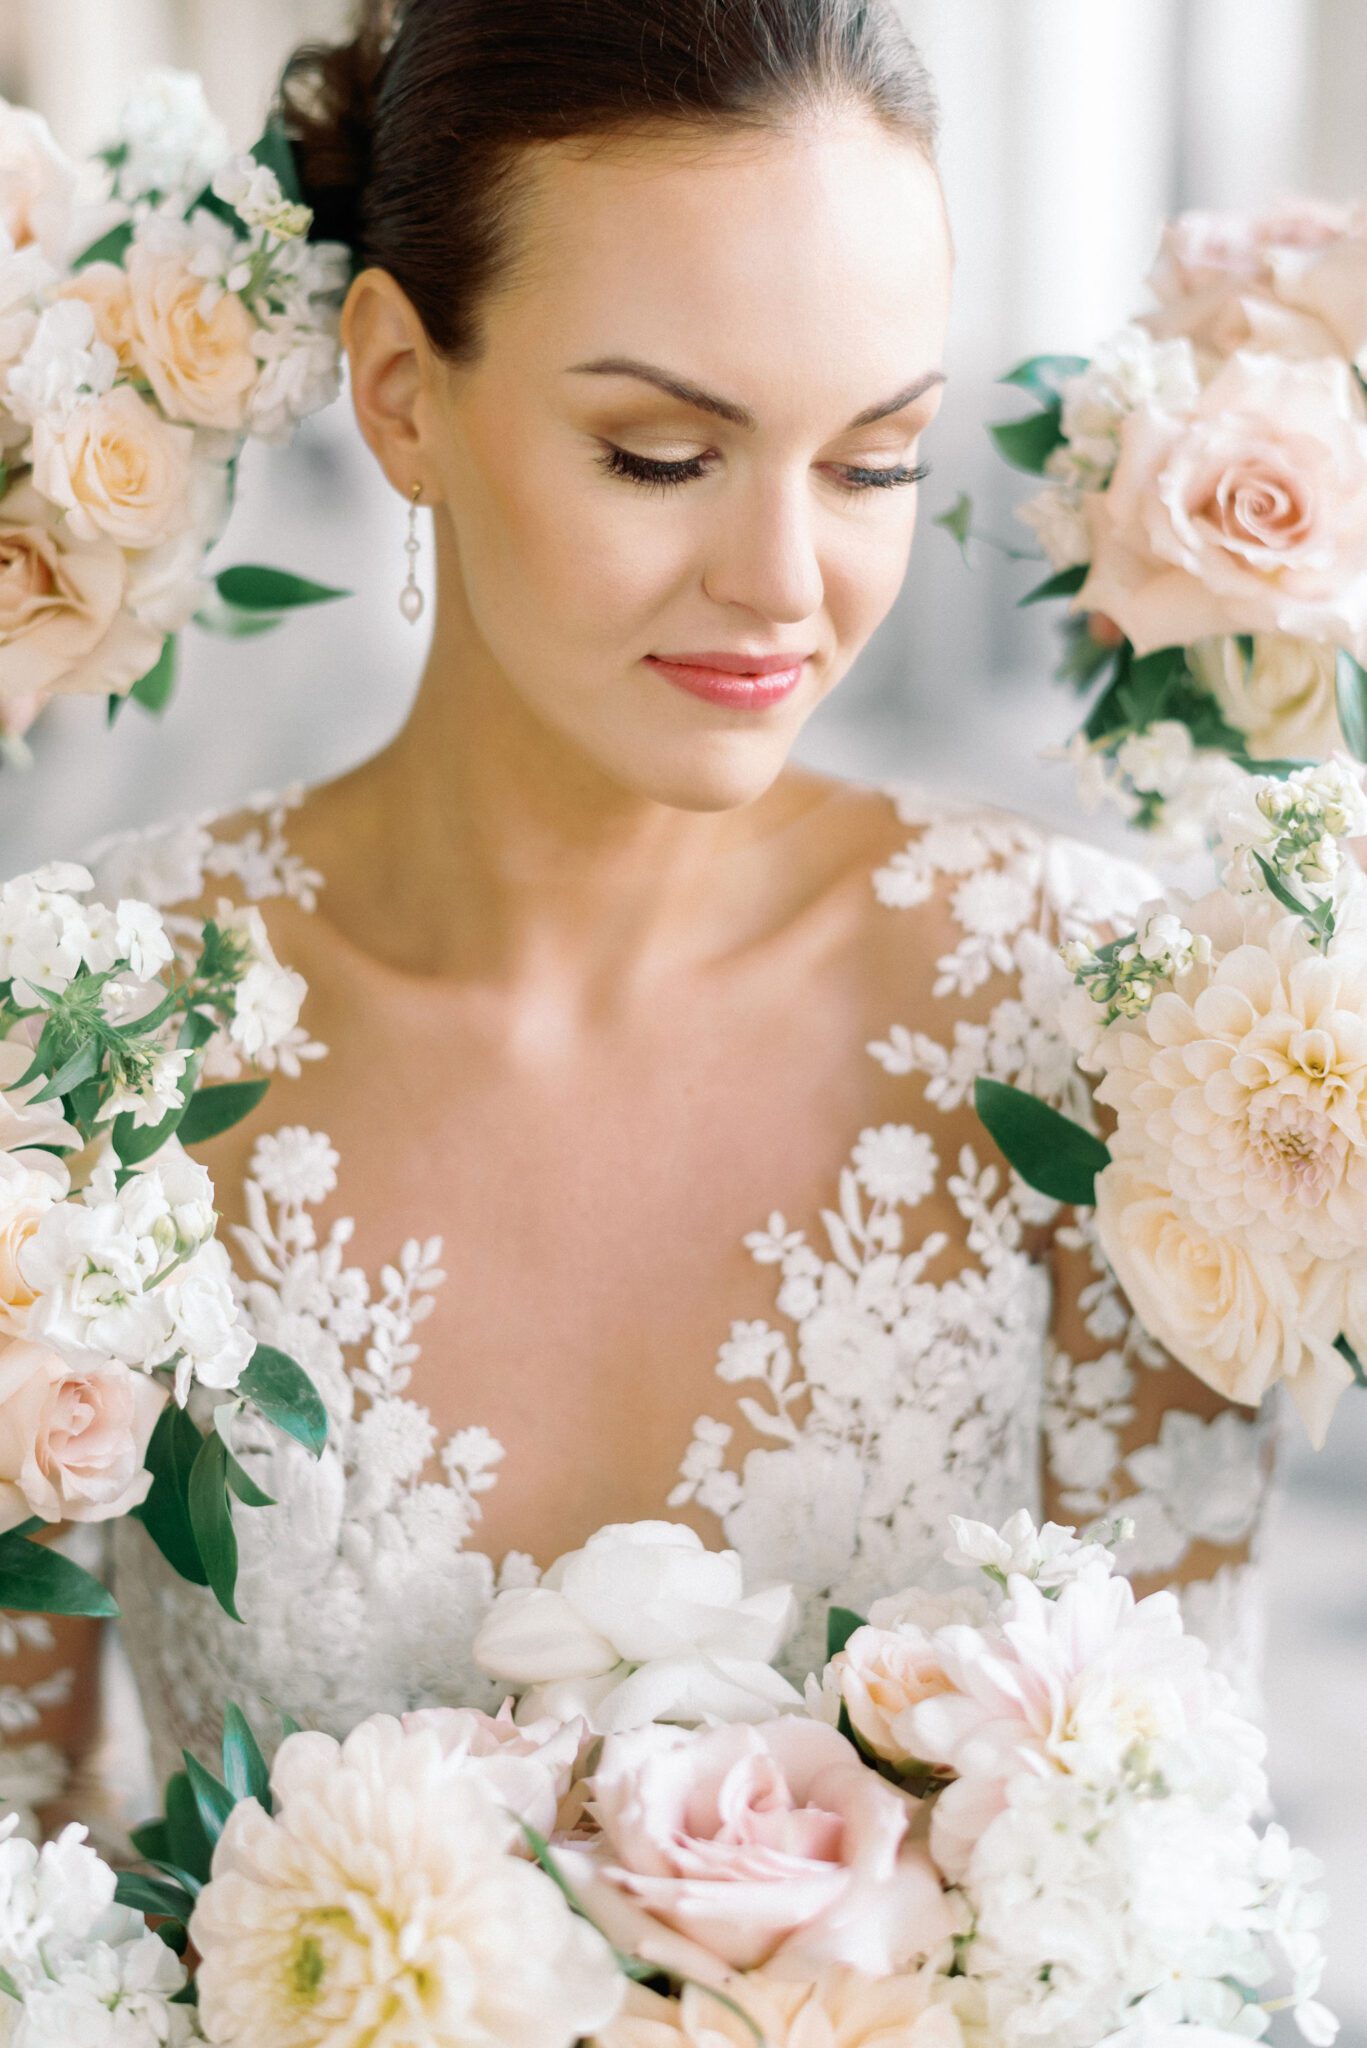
[727, 408]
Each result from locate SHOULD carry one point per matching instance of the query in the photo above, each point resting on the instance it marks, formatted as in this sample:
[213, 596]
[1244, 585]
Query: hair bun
[326, 105]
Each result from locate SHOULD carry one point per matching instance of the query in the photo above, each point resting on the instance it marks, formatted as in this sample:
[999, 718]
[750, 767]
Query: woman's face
[795, 288]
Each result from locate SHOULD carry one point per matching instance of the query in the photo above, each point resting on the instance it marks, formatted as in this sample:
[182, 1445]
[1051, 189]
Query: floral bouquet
[1023, 1811]
[159, 306]
[1205, 512]
[1230, 1034]
[116, 1297]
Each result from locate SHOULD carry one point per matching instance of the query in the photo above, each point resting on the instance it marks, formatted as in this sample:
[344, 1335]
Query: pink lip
[743, 682]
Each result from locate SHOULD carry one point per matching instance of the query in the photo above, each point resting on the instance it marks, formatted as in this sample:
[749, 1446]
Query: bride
[661, 1047]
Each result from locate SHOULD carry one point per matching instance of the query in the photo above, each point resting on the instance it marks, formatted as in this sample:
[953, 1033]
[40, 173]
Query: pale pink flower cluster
[129, 383]
[1234, 1207]
[1212, 479]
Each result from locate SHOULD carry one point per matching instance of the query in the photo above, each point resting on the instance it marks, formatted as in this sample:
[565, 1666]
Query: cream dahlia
[383, 1905]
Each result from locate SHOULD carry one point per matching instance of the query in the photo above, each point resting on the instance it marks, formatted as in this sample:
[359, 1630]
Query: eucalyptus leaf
[1048, 1150]
[211, 1518]
[286, 1396]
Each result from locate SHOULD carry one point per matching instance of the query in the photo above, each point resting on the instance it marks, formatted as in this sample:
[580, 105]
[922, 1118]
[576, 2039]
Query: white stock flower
[64, 363]
[172, 139]
[268, 998]
[1129, 370]
[300, 374]
[643, 1624]
[387, 1888]
[1056, 518]
[1051, 1555]
[253, 191]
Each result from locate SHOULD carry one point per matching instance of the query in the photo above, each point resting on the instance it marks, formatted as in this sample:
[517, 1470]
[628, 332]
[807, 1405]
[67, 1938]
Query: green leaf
[1064, 584]
[214, 1110]
[238, 1478]
[110, 248]
[211, 1518]
[9, 1987]
[153, 690]
[249, 587]
[165, 1514]
[151, 1841]
[1048, 1150]
[1042, 375]
[1277, 887]
[153, 1895]
[37, 1580]
[244, 1767]
[841, 1623]
[1359, 1374]
[1352, 694]
[286, 1396]
[213, 1802]
[274, 150]
[1027, 443]
[958, 521]
[83, 1065]
[191, 1848]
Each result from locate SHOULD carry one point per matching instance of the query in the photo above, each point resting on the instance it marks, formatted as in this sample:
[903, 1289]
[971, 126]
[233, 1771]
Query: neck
[494, 847]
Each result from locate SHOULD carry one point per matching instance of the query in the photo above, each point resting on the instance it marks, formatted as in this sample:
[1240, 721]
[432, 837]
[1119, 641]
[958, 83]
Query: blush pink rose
[72, 1441]
[761, 1841]
[1291, 281]
[528, 1769]
[1246, 515]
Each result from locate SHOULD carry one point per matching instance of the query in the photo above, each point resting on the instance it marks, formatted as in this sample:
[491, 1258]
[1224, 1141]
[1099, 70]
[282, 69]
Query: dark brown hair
[407, 138]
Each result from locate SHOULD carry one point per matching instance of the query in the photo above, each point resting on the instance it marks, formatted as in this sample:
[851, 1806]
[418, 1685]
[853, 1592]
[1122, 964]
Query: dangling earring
[411, 597]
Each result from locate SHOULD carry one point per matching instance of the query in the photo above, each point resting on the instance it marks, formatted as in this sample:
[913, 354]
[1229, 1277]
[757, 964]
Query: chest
[593, 1193]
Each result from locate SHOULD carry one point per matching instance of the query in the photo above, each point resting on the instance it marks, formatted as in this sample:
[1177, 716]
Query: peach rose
[881, 1672]
[841, 2008]
[72, 1441]
[1238, 1321]
[104, 288]
[116, 467]
[1247, 515]
[198, 361]
[63, 626]
[759, 1841]
[29, 1185]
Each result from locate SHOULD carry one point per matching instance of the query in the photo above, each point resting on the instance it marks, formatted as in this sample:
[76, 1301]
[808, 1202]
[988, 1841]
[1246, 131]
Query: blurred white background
[1070, 128]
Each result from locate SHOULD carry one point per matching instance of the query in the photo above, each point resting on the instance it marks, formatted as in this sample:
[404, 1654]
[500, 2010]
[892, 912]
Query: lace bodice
[907, 1371]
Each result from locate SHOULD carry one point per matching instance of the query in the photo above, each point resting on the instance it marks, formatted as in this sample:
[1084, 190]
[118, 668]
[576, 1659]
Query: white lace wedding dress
[873, 1403]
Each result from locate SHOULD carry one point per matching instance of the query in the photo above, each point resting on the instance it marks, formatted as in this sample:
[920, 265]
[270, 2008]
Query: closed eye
[651, 474]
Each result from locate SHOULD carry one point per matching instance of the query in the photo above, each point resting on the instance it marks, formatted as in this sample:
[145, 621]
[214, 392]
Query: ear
[392, 366]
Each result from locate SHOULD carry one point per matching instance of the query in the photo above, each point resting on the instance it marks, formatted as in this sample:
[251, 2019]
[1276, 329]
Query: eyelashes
[649, 474]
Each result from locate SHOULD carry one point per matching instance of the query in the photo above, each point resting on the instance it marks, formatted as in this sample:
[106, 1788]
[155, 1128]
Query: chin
[721, 772]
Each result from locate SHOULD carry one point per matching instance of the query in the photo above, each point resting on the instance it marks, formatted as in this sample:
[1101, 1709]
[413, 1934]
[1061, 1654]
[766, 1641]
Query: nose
[763, 553]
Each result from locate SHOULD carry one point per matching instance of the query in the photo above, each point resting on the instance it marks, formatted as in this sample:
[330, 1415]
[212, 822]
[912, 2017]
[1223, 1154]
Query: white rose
[643, 1624]
[37, 182]
[29, 1186]
[116, 467]
[1284, 700]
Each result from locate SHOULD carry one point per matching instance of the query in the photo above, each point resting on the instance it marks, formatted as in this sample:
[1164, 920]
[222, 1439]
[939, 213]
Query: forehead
[746, 260]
